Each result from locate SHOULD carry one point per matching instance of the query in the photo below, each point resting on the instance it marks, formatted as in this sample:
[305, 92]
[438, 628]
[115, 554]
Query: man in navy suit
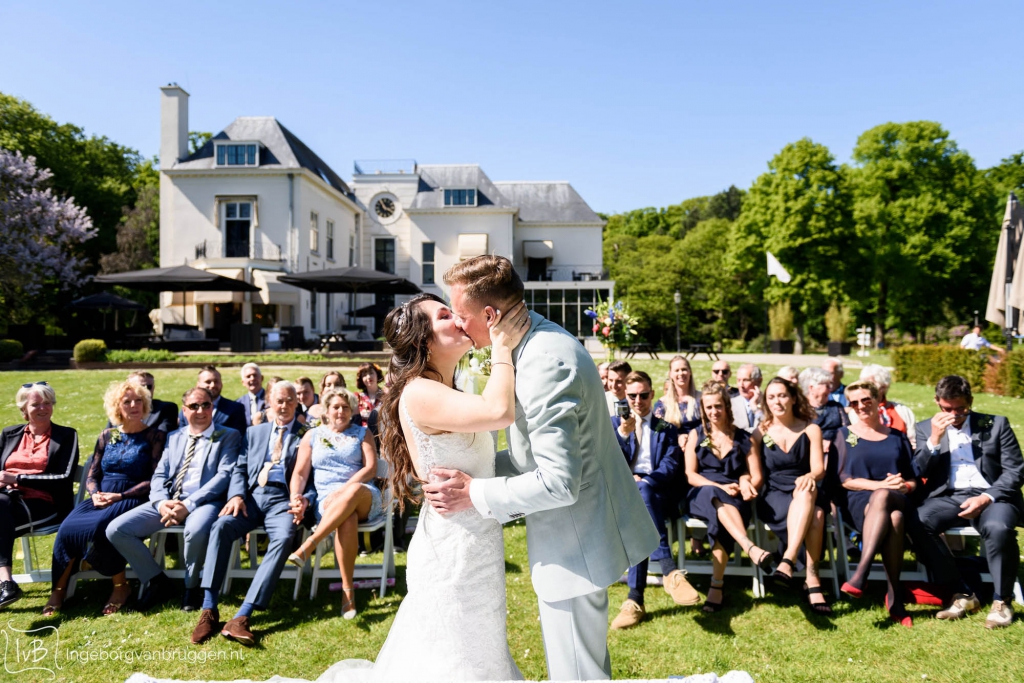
[254, 400]
[257, 496]
[189, 488]
[651, 447]
[226, 413]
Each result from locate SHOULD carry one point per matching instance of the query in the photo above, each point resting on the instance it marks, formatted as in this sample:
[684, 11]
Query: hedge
[10, 349]
[90, 351]
[925, 364]
[142, 356]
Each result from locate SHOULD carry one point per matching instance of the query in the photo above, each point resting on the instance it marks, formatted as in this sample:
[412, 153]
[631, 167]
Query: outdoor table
[694, 349]
[327, 339]
[641, 348]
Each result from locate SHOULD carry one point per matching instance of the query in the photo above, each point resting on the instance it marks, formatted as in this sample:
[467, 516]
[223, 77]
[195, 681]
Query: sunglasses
[643, 396]
[721, 372]
[956, 411]
[863, 402]
[34, 384]
[205, 405]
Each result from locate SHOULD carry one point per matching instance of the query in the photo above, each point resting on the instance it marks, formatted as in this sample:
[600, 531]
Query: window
[384, 255]
[460, 197]
[314, 232]
[312, 310]
[352, 249]
[237, 229]
[330, 240]
[244, 154]
[428, 263]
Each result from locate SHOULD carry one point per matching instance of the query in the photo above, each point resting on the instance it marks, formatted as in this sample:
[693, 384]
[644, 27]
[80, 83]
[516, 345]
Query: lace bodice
[467, 452]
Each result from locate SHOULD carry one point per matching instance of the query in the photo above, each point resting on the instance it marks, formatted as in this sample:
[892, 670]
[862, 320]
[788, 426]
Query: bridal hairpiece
[402, 316]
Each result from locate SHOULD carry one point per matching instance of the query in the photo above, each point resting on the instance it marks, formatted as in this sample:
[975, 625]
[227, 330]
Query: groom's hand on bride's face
[448, 490]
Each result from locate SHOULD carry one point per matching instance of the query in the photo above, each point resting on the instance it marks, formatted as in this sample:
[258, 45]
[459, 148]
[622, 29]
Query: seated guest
[307, 397]
[371, 393]
[267, 414]
[876, 469]
[680, 405]
[746, 404]
[255, 398]
[974, 471]
[892, 414]
[343, 459]
[163, 413]
[188, 488]
[257, 496]
[616, 392]
[332, 380]
[37, 463]
[226, 413]
[816, 385]
[837, 390]
[794, 467]
[118, 481]
[721, 372]
[724, 470]
[788, 372]
[602, 372]
[651, 447]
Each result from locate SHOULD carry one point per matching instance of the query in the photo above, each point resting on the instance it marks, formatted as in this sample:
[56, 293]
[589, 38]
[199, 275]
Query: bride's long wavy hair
[407, 330]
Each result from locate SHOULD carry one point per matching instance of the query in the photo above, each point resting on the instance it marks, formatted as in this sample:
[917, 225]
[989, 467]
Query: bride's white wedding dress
[451, 624]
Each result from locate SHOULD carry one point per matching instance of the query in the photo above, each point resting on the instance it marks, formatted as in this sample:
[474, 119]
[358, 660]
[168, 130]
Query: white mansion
[255, 203]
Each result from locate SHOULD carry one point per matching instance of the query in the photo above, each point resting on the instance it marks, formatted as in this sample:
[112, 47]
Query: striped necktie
[275, 458]
[190, 452]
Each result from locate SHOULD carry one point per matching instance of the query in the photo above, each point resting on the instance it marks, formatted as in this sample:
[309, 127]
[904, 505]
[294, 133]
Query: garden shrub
[1010, 375]
[925, 364]
[10, 349]
[90, 351]
[141, 356]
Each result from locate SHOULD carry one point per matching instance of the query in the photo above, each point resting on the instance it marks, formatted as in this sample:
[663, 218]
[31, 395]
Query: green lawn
[774, 639]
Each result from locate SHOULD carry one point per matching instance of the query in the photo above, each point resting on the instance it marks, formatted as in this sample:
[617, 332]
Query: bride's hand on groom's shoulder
[448, 490]
[509, 327]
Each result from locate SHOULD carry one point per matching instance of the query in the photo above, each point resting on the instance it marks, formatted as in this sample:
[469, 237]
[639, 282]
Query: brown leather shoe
[679, 588]
[238, 630]
[209, 623]
[1001, 615]
[629, 615]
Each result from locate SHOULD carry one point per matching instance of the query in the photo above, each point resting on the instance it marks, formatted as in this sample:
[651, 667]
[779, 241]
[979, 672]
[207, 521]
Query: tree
[135, 235]
[41, 235]
[923, 213]
[1005, 178]
[799, 211]
[197, 139]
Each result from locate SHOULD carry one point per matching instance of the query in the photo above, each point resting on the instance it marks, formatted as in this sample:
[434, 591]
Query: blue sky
[637, 104]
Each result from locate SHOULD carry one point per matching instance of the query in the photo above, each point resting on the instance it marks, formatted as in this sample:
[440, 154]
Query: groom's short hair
[487, 280]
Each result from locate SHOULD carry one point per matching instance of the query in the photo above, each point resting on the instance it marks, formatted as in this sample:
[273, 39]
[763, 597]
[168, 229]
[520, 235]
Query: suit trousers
[996, 524]
[266, 506]
[128, 532]
[575, 633]
[656, 506]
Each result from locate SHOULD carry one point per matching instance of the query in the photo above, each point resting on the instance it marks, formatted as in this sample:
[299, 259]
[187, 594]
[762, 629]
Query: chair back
[81, 474]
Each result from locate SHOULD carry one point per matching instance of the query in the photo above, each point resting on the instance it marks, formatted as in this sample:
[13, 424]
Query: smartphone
[622, 410]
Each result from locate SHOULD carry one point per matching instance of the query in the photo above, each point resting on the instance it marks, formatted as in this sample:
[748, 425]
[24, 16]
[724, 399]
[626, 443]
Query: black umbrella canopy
[350, 280]
[372, 311]
[107, 301]
[176, 279]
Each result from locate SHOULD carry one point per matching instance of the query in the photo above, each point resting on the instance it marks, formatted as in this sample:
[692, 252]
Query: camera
[622, 409]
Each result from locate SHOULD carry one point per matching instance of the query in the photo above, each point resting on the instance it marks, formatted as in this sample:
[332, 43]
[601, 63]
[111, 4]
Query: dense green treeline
[904, 236]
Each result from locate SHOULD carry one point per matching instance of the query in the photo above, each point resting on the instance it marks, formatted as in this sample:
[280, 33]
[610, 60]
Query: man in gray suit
[746, 405]
[189, 488]
[585, 521]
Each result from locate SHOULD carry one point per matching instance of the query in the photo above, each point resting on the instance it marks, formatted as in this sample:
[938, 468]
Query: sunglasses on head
[205, 405]
[34, 384]
[643, 396]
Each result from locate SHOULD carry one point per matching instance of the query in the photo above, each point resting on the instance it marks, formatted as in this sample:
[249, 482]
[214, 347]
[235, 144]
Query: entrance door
[224, 315]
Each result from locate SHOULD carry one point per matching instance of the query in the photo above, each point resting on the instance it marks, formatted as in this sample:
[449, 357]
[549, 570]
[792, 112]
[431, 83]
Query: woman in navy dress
[680, 406]
[875, 466]
[794, 468]
[118, 481]
[343, 460]
[723, 468]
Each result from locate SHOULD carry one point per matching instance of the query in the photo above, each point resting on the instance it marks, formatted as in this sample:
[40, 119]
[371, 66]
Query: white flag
[775, 268]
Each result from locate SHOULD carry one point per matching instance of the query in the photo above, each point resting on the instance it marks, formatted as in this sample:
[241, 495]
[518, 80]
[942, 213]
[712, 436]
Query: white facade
[255, 202]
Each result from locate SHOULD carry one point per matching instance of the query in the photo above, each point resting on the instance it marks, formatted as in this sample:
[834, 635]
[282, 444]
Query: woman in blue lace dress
[343, 461]
[118, 481]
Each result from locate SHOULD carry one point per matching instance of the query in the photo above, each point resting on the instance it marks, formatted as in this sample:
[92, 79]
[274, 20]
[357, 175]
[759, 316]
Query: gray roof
[281, 149]
[436, 178]
[548, 202]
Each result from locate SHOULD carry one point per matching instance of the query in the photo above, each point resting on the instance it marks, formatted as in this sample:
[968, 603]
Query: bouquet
[614, 326]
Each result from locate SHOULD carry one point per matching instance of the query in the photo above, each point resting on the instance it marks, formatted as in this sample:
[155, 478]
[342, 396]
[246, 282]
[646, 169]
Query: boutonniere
[852, 439]
[302, 431]
[326, 443]
[706, 442]
[115, 435]
[660, 427]
[985, 422]
[216, 436]
[769, 441]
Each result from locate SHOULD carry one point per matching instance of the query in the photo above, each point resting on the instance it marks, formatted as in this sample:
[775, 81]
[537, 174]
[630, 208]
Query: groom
[585, 521]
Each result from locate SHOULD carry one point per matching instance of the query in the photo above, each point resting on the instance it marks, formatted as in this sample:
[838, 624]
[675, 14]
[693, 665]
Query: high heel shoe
[51, 610]
[112, 608]
[298, 558]
[822, 608]
[348, 606]
[904, 619]
[851, 590]
[766, 562]
[785, 580]
[710, 606]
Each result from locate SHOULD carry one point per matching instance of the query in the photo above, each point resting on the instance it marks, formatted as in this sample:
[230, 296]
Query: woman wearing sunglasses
[37, 463]
[876, 469]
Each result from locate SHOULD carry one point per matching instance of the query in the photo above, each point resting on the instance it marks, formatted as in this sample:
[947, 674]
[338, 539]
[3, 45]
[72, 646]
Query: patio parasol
[1006, 291]
[176, 279]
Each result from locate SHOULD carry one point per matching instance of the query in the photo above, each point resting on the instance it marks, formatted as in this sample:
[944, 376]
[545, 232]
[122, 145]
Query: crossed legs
[883, 532]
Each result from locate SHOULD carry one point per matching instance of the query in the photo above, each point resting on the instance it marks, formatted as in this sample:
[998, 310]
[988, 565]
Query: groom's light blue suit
[585, 521]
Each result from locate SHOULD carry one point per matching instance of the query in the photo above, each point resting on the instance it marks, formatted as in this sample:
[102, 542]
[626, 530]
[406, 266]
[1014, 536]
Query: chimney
[173, 124]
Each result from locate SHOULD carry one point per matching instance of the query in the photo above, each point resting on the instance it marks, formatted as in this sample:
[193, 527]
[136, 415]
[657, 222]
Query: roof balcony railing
[385, 167]
[563, 273]
[260, 251]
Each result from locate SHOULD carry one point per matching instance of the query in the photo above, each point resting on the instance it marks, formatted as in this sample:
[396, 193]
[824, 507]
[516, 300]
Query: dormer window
[460, 197]
[238, 154]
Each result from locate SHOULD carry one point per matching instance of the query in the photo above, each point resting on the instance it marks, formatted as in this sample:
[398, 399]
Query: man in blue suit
[254, 400]
[189, 488]
[257, 496]
[226, 413]
[651, 447]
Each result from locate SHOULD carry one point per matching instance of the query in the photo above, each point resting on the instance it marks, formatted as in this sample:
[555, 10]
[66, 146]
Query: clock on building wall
[385, 207]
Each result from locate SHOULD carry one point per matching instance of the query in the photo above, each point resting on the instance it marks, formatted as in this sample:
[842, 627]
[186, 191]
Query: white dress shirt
[194, 474]
[643, 463]
[963, 471]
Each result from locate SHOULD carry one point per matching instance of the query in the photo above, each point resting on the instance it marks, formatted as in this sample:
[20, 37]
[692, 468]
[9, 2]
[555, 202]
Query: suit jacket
[666, 455]
[250, 461]
[261, 404]
[229, 414]
[161, 414]
[739, 415]
[56, 479]
[218, 456]
[996, 453]
[585, 520]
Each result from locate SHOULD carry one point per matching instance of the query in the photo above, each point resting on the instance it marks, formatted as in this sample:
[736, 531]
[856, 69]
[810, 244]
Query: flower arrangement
[479, 362]
[614, 325]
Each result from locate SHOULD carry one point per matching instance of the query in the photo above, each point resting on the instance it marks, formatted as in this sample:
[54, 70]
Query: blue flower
[591, 313]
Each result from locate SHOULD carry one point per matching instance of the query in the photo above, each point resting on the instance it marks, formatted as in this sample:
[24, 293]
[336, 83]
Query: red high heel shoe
[906, 620]
[851, 590]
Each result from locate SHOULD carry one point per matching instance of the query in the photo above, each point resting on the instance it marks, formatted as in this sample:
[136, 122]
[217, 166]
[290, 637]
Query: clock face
[385, 207]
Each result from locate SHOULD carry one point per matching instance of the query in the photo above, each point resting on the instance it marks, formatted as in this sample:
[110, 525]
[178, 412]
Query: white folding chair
[767, 540]
[877, 572]
[34, 573]
[735, 567]
[971, 532]
[237, 571]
